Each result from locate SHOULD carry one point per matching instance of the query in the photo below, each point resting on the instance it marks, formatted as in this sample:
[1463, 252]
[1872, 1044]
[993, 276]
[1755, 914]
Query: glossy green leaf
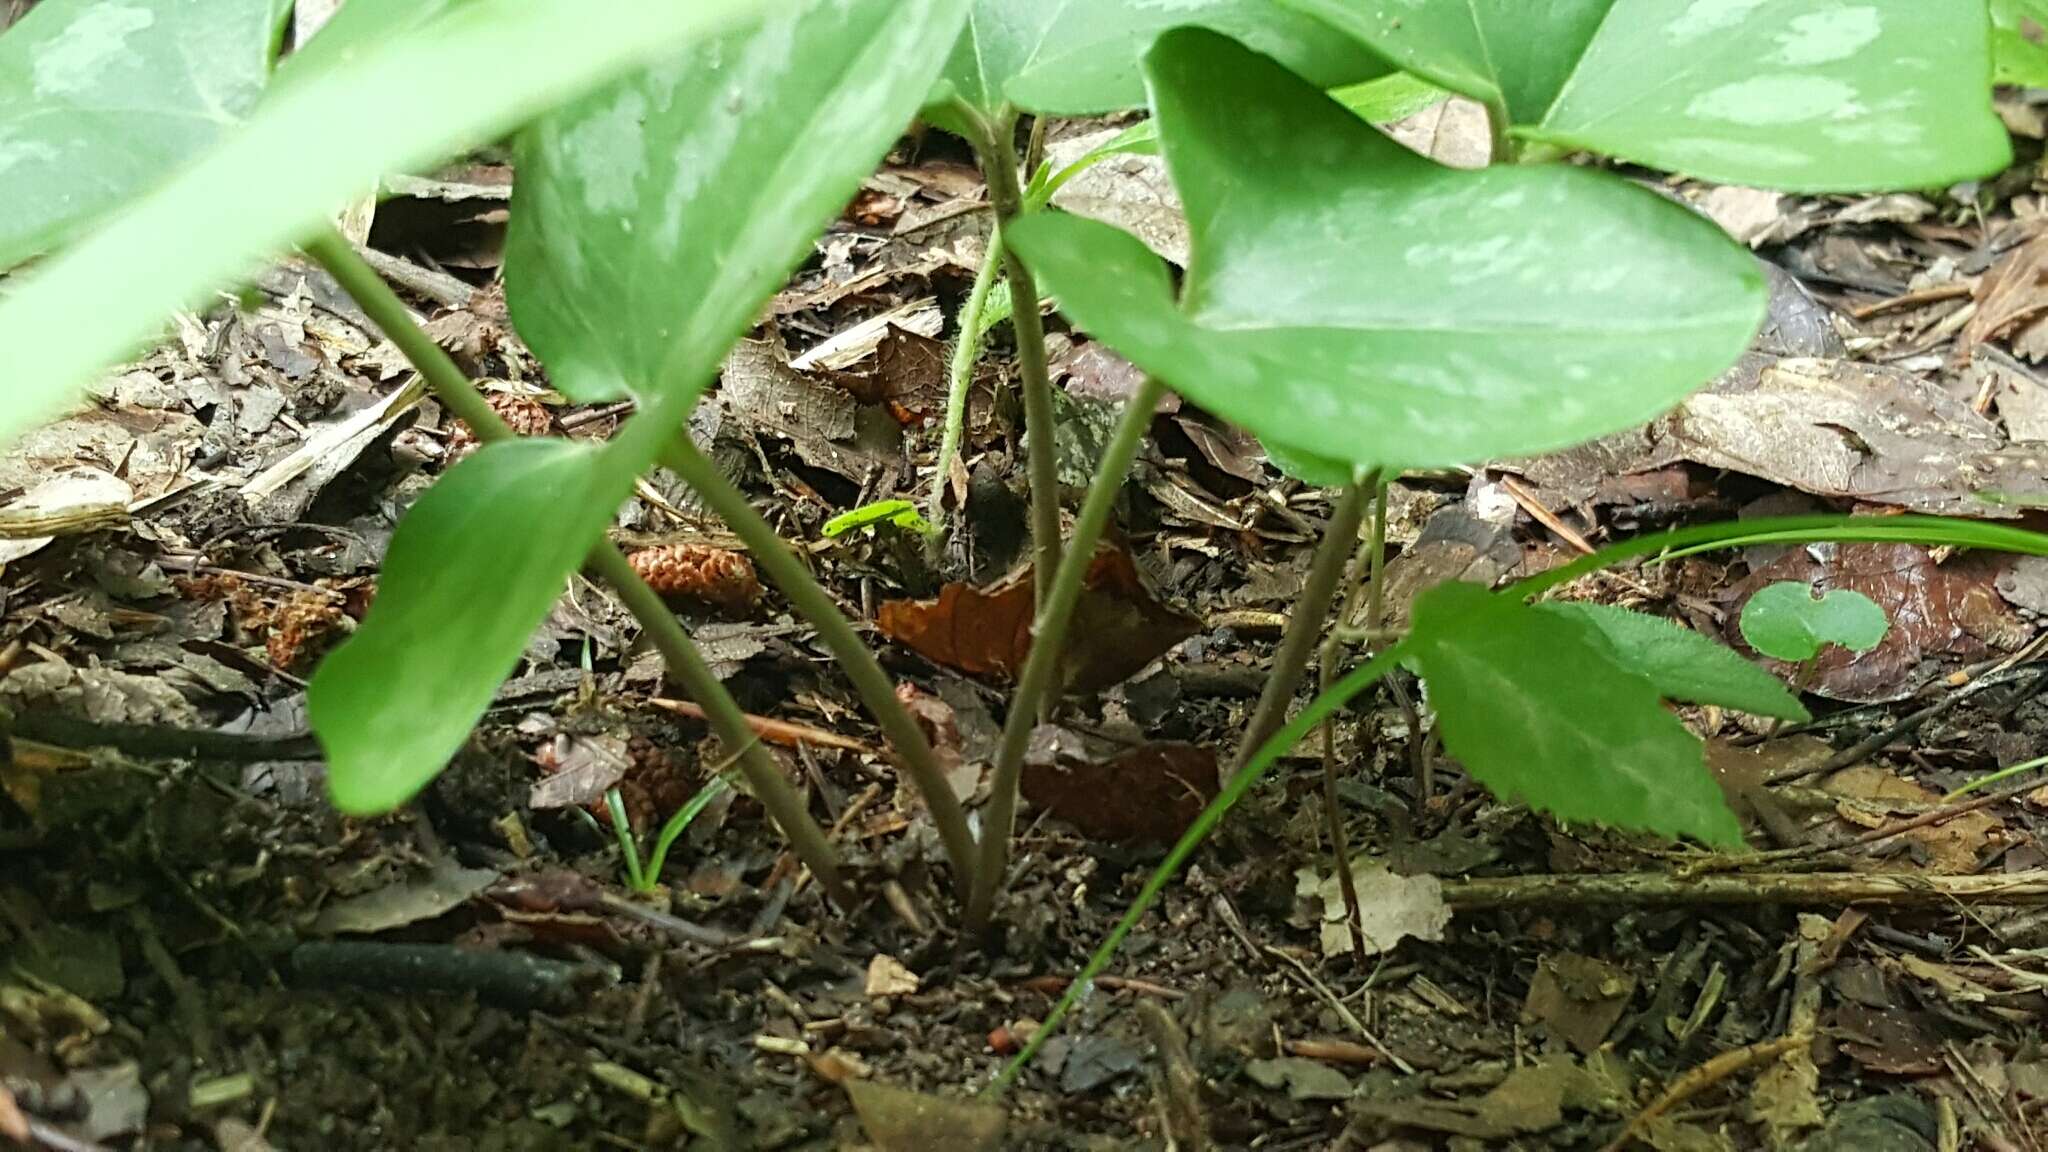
[1380, 101]
[1353, 300]
[653, 218]
[410, 101]
[99, 99]
[1787, 621]
[356, 28]
[1804, 95]
[1536, 708]
[468, 575]
[1682, 664]
[1307, 467]
[1080, 57]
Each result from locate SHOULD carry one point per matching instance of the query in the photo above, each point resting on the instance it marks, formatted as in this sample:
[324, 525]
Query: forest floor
[201, 954]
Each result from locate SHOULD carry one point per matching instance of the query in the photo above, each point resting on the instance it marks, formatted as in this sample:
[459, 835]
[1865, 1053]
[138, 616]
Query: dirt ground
[201, 954]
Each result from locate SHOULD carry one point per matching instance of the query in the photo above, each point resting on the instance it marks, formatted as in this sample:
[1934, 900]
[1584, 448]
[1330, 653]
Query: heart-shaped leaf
[1804, 95]
[1682, 664]
[99, 100]
[1786, 621]
[1535, 707]
[1080, 57]
[1352, 300]
[652, 220]
[465, 580]
[405, 101]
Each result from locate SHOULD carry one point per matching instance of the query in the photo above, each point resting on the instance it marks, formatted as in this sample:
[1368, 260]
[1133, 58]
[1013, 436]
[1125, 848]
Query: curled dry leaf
[700, 574]
[1939, 612]
[1149, 794]
[1117, 628]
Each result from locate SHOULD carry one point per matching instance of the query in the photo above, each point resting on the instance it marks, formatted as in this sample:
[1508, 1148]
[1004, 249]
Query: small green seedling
[866, 518]
[1786, 621]
[645, 878]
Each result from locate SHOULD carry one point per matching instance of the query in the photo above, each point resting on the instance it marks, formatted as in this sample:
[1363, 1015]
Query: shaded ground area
[201, 955]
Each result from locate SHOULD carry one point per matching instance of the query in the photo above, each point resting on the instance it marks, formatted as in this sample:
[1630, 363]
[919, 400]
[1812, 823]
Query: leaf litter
[1888, 417]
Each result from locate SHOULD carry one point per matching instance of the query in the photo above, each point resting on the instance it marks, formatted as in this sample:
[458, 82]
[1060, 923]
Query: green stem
[763, 776]
[858, 661]
[999, 164]
[966, 353]
[1319, 710]
[1305, 622]
[453, 389]
[1049, 633]
[629, 846]
[678, 823]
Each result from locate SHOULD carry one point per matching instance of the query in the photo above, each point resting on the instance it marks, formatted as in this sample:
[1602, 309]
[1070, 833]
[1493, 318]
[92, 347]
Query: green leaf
[356, 28]
[99, 99]
[1353, 300]
[2017, 56]
[396, 701]
[1785, 621]
[1307, 467]
[1682, 664]
[653, 218]
[1803, 95]
[409, 101]
[1536, 708]
[1080, 57]
[895, 513]
[1380, 101]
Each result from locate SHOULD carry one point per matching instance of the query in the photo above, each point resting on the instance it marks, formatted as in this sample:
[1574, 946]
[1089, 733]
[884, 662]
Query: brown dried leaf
[1938, 612]
[1149, 794]
[1952, 847]
[2013, 294]
[1579, 998]
[899, 1120]
[1117, 628]
[1890, 1040]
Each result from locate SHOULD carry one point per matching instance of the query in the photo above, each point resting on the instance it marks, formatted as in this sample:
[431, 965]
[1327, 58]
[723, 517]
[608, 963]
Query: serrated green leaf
[1787, 621]
[408, 101]
[1535, 708]
[1080, 57]
[468, 575]
[1803, 95]
[1350, 299]
[1682, 664]
[99, 99]
[652, 221]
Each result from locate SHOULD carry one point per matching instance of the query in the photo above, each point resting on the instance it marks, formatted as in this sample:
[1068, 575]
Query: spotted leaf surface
[1804, 95]
[1080, 57]
[1351, 300]
[98, 98]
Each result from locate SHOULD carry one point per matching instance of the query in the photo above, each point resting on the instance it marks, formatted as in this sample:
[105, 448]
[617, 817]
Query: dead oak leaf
[1117, 628]
[1149, 794]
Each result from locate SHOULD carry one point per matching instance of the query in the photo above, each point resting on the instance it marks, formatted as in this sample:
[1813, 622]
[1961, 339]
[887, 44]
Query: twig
[1814, 889]
[1545, 516]
[1934, 295]
[1936, 815]
[1869, 746]
[786, 733]
[1049, 633]
[509, 978]
[1183, 1084]
[1702, 1078]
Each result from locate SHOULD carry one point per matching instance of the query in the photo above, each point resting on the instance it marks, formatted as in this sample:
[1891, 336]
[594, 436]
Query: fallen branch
[1702, 1078]
[773, 731]
[1664, 889]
